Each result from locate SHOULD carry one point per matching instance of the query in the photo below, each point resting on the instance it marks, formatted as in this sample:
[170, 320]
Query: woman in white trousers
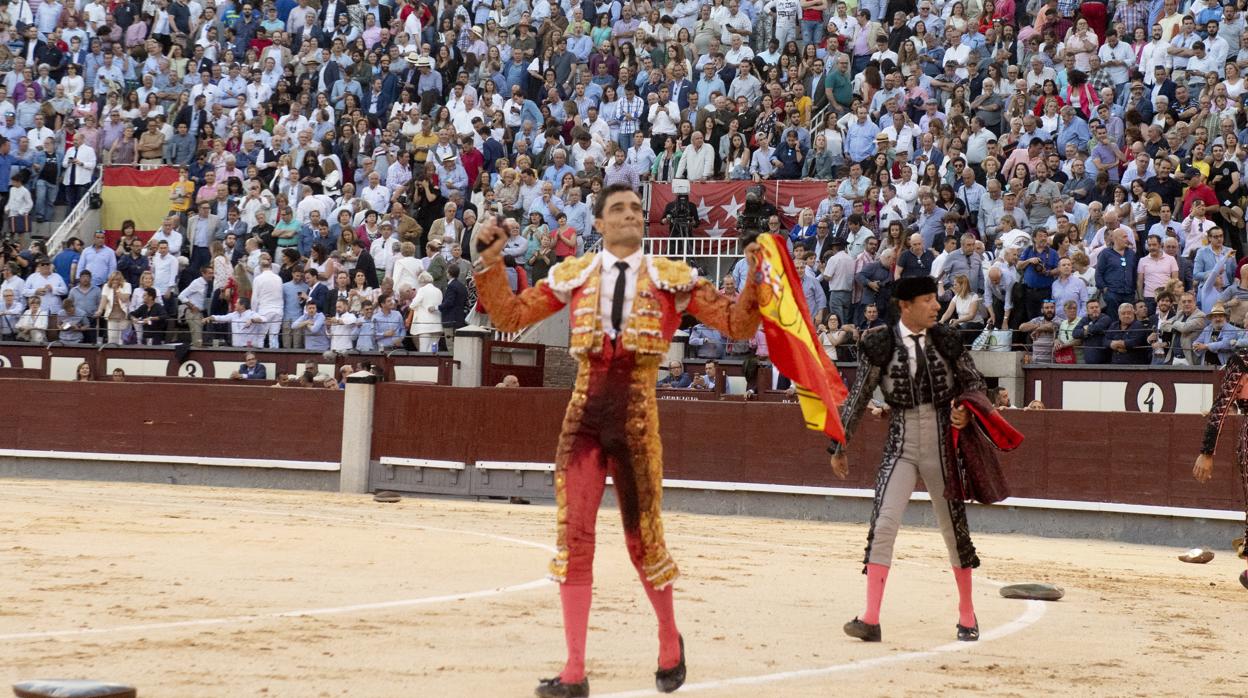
[115, 306]
[423, 318]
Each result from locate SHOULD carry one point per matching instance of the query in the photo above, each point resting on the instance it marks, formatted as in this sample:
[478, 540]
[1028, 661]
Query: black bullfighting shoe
[970, 634]
[668, 680]
[863, 631]
[556, 688]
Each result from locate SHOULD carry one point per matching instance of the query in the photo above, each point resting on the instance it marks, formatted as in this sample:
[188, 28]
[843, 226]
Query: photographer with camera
[681, 216]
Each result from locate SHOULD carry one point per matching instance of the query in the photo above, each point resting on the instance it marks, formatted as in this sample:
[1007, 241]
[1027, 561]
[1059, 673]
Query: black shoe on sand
[970, 634]
[863, 631]
[556, 688]
[668, 680]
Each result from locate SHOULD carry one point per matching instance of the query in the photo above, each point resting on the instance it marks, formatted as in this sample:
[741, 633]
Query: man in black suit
[379, 12]
[680, 88]
[319, 293]
[34, 50]
[815, 88]
[454, 306]
[1162, 84]
[364, 263]
[330, 11]
[192, 116]
[329, 74]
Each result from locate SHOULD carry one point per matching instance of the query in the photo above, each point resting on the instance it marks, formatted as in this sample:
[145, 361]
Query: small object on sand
[1243, 578]
[1196, 556]
[1034, 591]
[72, 688]
[387, 497]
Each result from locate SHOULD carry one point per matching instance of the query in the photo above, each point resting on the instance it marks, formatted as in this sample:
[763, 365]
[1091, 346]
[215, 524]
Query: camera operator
[756, 213]
[681, 216]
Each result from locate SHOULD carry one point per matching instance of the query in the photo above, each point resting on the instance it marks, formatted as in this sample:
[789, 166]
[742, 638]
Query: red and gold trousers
[611, 428]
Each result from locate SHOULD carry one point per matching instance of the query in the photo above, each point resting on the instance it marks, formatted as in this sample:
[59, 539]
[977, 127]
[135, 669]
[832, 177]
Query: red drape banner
[721, 203]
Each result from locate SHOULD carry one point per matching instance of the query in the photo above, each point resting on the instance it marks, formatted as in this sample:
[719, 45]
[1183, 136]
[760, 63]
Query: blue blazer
[1230, 338]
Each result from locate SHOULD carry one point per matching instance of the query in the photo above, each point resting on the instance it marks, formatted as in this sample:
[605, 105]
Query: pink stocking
[877, 575]
[669, 636]
[576, 600]
[966, 607]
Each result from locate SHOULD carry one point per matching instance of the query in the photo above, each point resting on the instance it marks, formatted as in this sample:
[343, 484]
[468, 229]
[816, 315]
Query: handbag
[1065, 355]
[130, 336]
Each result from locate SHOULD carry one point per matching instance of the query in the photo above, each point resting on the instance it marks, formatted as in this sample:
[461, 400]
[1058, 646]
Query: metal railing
[73, 220]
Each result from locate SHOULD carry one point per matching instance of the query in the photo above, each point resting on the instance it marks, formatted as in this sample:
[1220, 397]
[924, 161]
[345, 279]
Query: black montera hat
[908, 289]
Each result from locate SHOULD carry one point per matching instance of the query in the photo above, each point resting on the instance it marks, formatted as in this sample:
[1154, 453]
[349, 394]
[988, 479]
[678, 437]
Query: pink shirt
[1156, 272]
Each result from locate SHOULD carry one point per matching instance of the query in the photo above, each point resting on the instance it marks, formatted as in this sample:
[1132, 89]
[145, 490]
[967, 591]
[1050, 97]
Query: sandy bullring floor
[211, 592]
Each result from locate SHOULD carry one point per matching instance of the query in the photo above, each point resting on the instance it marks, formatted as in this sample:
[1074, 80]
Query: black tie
[617, 301]
[922, 375]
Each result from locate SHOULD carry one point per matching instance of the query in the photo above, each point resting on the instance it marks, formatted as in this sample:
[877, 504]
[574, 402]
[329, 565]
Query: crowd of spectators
[1070, 173]
[1026, 154]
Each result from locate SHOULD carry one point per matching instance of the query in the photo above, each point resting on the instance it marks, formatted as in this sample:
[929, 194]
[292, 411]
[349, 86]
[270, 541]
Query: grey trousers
[919, 456]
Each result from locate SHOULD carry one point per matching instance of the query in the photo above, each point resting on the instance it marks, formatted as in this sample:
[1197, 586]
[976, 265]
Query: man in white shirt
[246, 327]
[46, 285]
[585, 147]
[1217, 47]
[461, 119]
[735, 23]
[838, 271]
[977, 142]
[956, 52]
[266, 297]
[664, 114]
[698, 162]
[165, 268]
[382, 248]
[1117, 57]
[1040, 72]
[894, 209]
[194, 300]
[739, 51]
[78, 167]
[1151, 56]
[376, 195]
[341, 328]
[168, 233]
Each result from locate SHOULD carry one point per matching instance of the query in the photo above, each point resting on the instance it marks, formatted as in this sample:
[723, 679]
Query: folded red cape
[976, 471]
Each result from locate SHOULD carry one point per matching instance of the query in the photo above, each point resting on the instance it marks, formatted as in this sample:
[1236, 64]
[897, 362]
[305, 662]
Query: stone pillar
[1007, 368]
[357, 432]
[469, 356]
[680, 343]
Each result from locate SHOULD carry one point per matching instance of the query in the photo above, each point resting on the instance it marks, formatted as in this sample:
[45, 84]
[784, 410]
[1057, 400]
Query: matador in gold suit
[625, 308]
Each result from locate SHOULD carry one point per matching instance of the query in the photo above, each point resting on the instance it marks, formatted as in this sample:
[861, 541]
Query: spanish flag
[792, 343]
[142, 196]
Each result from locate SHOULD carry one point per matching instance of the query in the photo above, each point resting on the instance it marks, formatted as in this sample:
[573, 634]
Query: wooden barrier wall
[1133, 458]
[175, 419]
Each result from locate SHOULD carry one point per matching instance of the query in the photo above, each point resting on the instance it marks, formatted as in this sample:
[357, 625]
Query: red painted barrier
[176, 419]
[1132, 458]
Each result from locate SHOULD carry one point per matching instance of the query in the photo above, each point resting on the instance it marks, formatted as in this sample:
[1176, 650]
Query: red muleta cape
[979, 477]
